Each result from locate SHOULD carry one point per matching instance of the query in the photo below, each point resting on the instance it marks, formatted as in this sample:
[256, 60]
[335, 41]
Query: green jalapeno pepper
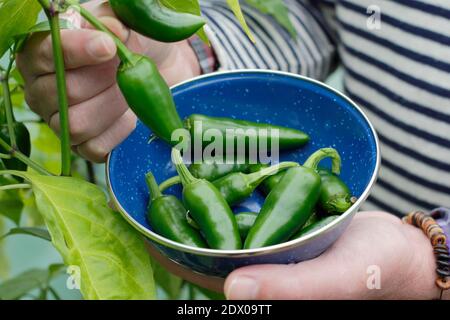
[238, 186]
[208, 208]
[335, 196]
[167, 216]
[290, 204]
[214, 171]
[314, 226]
[267, 185]
[152, 19]
[287, 139]
[148, 96]
[245, 221]
[23, 144]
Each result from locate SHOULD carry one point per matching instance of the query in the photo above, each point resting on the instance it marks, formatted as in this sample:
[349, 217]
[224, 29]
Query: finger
[313, 279]
[99, 147]
[90, 118]
[81, 47]
[82, 84]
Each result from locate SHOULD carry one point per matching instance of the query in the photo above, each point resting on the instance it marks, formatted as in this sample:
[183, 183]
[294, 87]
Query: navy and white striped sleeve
[399, 72]
[312, 53]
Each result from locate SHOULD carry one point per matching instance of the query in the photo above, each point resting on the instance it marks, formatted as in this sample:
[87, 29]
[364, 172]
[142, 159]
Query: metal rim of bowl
[264, 250]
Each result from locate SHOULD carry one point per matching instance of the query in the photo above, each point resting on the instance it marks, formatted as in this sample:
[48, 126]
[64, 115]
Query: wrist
[422, 272]
[181, 64]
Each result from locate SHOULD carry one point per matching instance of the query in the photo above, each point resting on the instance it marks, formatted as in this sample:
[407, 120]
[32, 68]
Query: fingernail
[242, 288]
[101, 46]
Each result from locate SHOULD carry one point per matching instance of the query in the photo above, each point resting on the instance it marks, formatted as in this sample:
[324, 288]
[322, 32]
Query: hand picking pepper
[245, 221]
[290, 204]
[152, 19]
[208, 208]
[148, 96]
[314, 226]
[238, 186]
[335, 196]
[167, 217]
[288, 138]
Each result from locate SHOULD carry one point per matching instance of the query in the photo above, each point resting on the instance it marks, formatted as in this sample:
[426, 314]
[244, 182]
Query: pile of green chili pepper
[300, 200]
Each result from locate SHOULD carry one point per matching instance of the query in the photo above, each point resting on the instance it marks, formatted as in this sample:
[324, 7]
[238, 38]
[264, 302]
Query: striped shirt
[396, 57]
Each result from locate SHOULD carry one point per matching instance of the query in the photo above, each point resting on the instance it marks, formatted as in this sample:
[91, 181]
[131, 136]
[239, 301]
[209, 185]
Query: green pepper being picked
[291, 203]
[167, 216]
[152, 19]
[208, 208]
[148, 96]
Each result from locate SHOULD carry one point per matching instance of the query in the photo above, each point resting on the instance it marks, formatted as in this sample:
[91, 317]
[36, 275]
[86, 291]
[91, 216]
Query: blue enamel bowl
[330, 118]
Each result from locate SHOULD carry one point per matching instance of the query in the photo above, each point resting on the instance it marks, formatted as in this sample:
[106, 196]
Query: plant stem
[8, 105]
[152, 186]
[5, 156]
[91, 172]
[19, 155]
[53, 18]
[15, 186]
[123, 52]
[314, 159]
[169, 183]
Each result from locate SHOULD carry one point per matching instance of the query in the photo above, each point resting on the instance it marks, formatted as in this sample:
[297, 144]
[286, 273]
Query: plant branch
[20, 156]
[7, 101]
[66, 155]
[15, 186]
[5, 156]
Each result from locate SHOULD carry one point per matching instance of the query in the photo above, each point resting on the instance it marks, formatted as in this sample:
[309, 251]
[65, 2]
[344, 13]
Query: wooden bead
[442, 283]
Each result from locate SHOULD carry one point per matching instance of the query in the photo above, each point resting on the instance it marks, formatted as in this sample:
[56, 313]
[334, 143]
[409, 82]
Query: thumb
[313, 279]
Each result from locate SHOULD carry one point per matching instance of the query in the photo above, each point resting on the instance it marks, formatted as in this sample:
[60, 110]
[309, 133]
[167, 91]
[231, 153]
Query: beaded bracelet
[438, 240]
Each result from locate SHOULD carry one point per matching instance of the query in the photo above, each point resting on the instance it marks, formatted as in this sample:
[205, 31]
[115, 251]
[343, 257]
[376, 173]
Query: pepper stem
[152, 186]
[259, 176]
[186, 176]
[169, 183]
[314, 160]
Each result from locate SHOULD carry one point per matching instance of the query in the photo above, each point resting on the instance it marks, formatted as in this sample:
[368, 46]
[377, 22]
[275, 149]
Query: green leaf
[18, 286]
[189, 6]
[31, 231]
[46, 148]
[23, 283]
[278, 10]
[43, 26]
[4, 265]
[16, 16]
[170, 283]
[109, 253]
[11, 204]
[236, 8]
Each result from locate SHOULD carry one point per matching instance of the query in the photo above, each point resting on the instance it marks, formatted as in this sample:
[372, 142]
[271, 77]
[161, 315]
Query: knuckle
[74, 87]
[94, 150]
[78, 126]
